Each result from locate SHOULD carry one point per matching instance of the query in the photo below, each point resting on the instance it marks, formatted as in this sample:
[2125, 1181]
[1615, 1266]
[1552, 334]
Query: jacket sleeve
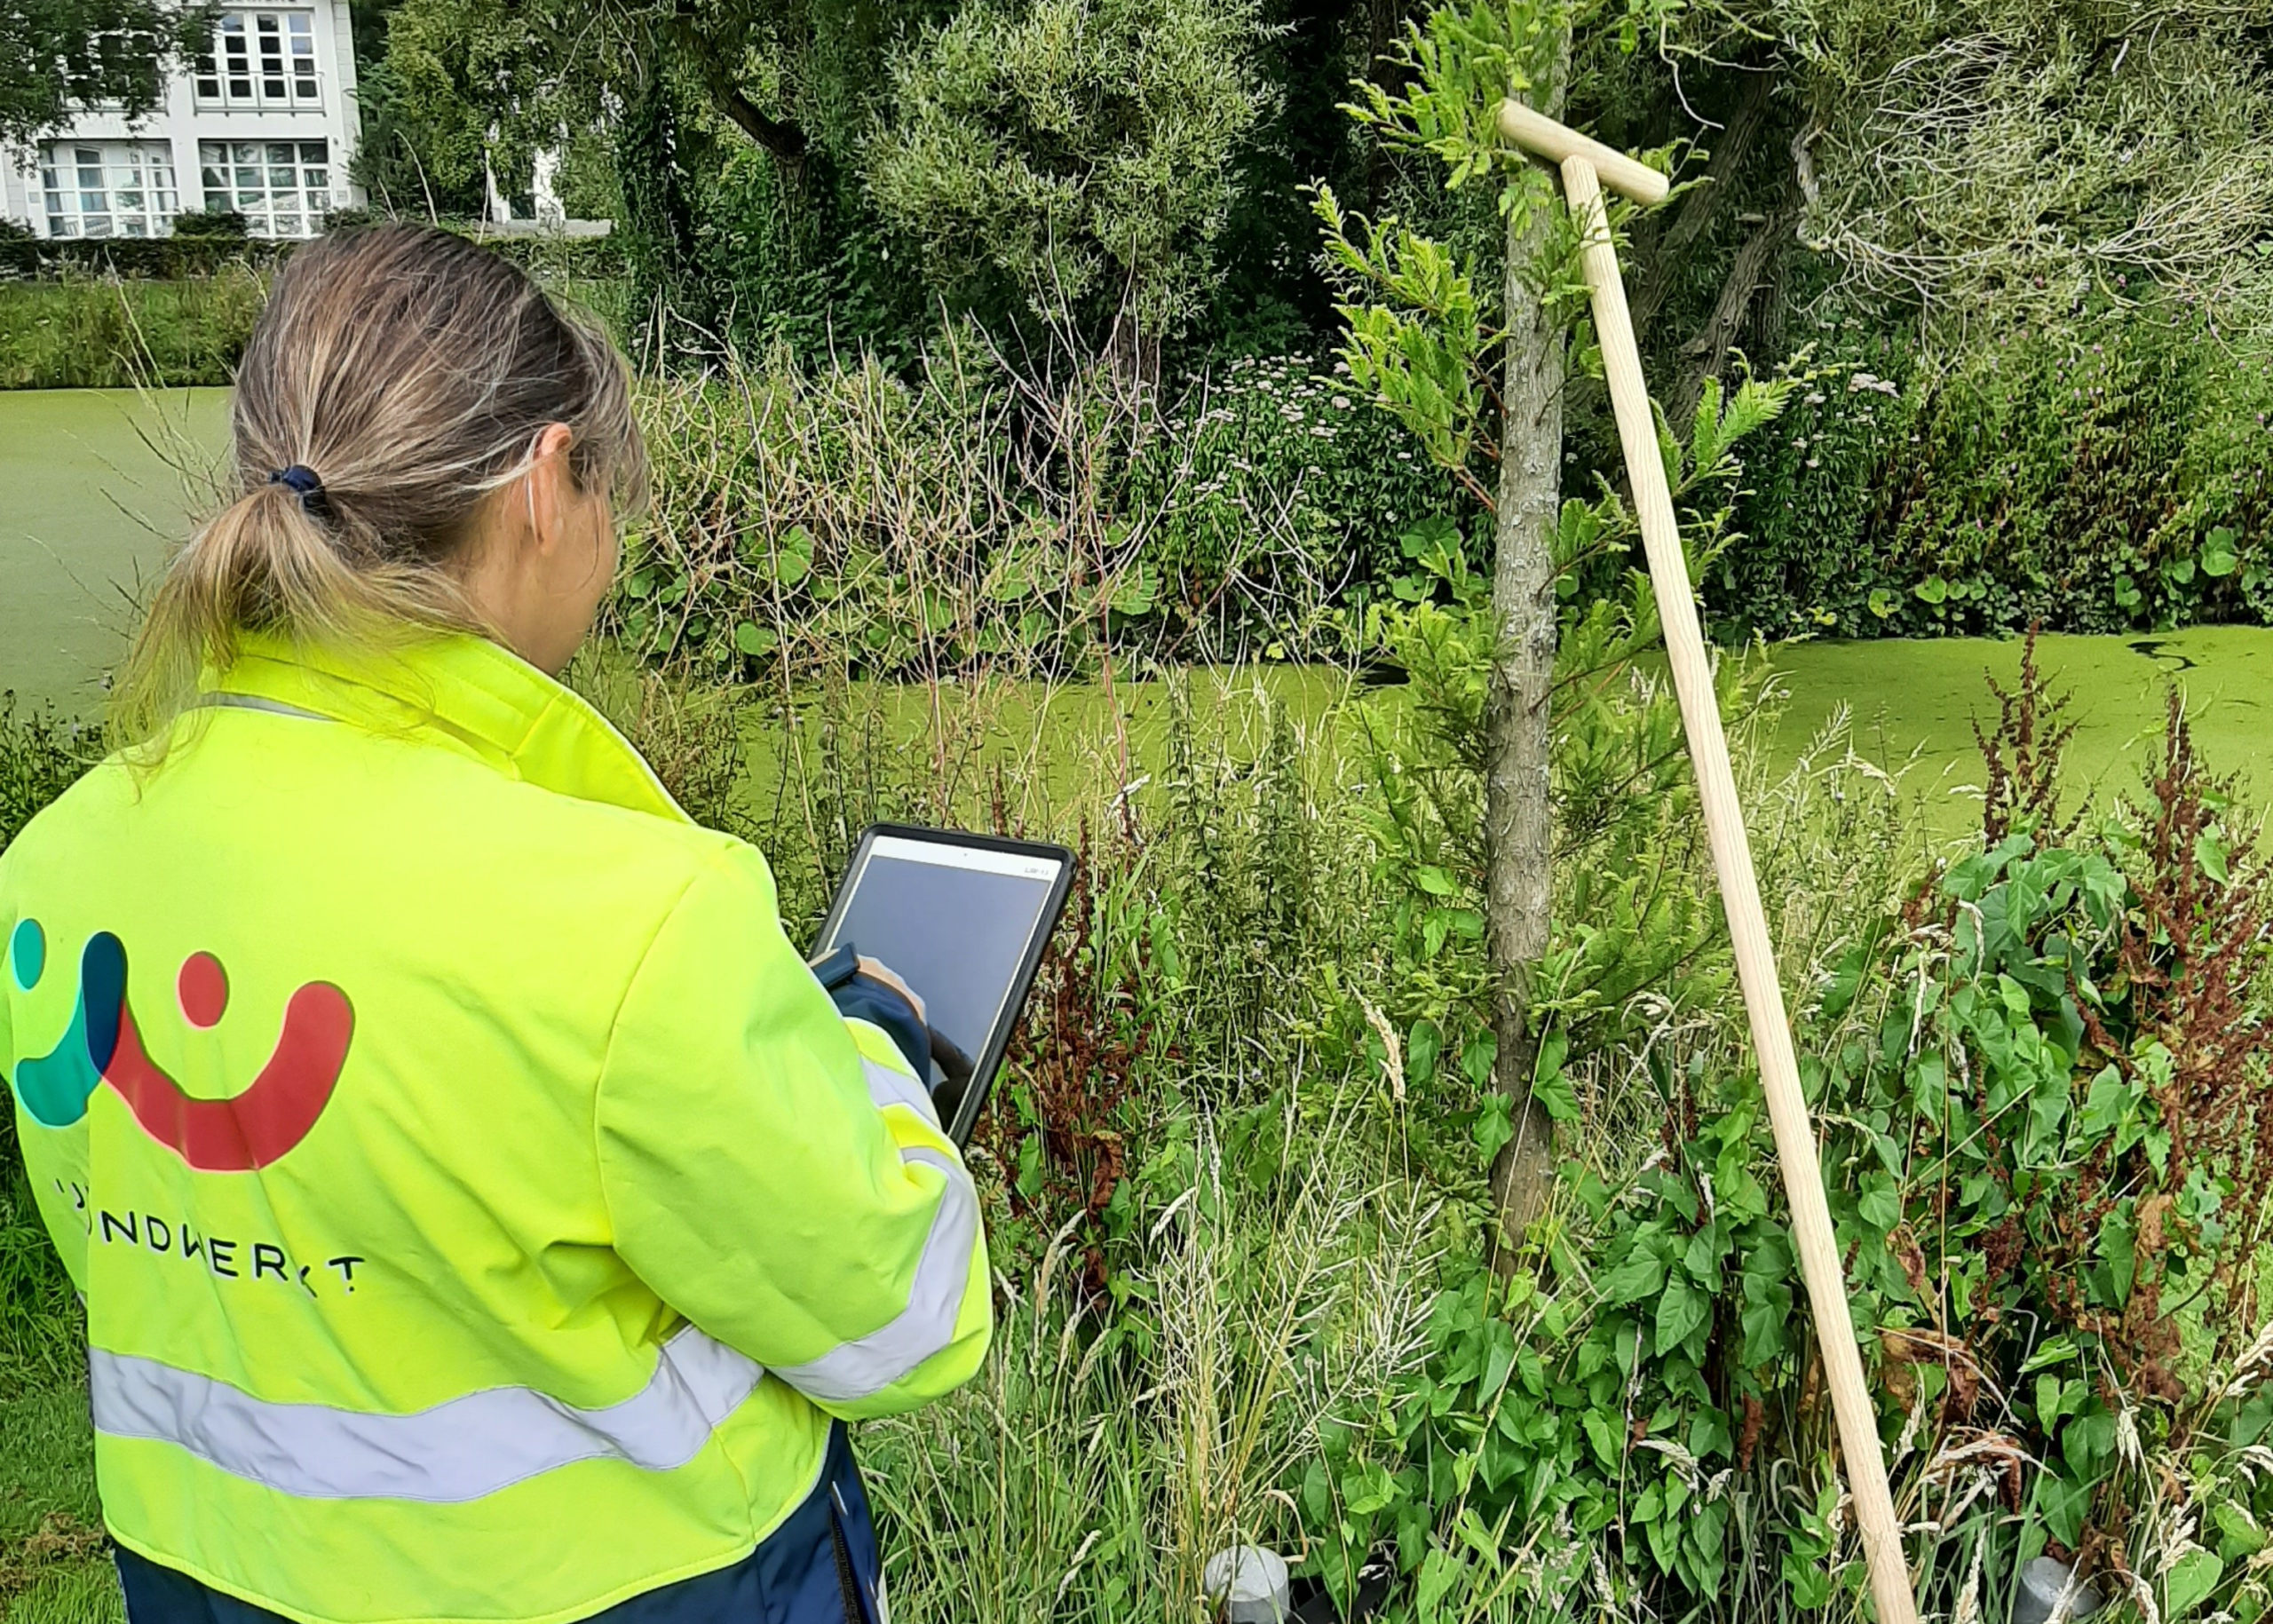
[776, 1173]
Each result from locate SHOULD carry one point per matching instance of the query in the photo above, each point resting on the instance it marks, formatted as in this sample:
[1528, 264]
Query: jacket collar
[460, 693]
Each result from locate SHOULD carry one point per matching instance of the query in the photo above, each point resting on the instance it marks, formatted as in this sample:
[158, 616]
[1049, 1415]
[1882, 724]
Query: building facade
[265, 125]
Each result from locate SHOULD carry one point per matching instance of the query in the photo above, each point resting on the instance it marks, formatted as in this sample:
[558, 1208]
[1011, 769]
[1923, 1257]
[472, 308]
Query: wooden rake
[1587, 166]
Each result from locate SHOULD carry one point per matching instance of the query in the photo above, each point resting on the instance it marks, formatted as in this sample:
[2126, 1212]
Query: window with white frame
[260, 59]
[281, 188]
[108, 188]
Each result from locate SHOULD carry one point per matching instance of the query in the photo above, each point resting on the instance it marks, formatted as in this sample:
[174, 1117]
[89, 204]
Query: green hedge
[2107, 475]
[50, 259]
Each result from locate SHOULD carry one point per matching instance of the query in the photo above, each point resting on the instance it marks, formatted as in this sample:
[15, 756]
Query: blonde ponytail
[396, 377]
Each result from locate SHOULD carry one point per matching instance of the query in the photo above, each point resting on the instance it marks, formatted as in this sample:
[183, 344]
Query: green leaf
[2189, 1582]
[1422, 1044]
[752, 638]
[2243, 1536]
[1433, 880]
[1932, 589]
[1492, 1127]
[1550, 1084]
[1367, 1489]
[1680, 1311]
[1599, 1433]
[1641, 1275]
[2063, 1503]
[2059, 1350]
[792, 556]
[1881, 1205]
[2218, 558]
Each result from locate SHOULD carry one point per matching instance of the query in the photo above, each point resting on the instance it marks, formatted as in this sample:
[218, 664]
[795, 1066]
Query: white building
[264, 126]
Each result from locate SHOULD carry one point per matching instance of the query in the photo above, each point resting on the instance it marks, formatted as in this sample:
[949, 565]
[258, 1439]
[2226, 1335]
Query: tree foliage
[57, 53]
[1993, 158]
[1083, 150]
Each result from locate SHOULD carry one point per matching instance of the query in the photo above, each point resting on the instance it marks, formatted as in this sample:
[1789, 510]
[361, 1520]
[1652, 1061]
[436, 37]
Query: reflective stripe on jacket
[481, 1209]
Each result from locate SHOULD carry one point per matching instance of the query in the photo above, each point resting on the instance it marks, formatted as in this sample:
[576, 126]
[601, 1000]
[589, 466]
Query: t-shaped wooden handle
[1584, 164]
[1535, 133]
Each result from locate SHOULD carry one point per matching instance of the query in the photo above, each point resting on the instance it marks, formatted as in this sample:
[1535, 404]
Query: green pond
[96, 485]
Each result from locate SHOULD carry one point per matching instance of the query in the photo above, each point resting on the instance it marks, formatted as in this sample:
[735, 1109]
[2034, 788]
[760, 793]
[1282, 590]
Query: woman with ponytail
[482, 1213]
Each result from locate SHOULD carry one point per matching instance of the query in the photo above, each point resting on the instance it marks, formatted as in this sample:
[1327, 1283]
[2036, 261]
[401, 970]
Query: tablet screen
[954, 922]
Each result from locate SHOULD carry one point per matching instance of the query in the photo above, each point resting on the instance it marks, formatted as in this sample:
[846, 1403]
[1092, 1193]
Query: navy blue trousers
[818, 1567]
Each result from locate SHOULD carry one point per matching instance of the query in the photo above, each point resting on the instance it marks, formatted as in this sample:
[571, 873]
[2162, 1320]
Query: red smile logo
[269, 1118]
[251, 1129]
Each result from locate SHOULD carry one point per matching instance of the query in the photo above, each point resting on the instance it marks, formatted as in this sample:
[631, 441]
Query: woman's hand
[876, 970]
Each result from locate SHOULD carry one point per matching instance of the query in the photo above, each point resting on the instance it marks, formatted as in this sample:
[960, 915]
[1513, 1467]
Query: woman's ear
[551, 486]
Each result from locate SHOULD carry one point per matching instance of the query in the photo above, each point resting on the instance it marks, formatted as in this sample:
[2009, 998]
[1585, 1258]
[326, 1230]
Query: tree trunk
[1705, 352]
[1730, 148]
[1519, 817]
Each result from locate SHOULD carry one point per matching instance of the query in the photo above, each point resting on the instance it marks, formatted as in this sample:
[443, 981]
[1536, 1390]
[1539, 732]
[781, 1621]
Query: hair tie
[301, 480]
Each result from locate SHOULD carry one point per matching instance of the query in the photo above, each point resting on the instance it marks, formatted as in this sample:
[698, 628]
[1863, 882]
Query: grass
[54, 1565]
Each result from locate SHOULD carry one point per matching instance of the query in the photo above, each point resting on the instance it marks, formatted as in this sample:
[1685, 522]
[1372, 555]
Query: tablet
[964, 920]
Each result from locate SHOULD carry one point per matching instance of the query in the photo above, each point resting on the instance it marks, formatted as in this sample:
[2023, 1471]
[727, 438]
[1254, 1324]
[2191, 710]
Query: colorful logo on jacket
[104, 1044]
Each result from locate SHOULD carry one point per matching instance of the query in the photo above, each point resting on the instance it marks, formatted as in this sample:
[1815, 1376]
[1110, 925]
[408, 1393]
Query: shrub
[215, 224]
[2096, 478]
[850, 517]
[2039, 1083]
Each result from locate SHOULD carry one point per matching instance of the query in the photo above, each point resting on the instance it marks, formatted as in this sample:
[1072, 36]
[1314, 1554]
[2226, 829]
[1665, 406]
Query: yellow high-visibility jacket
[480, 1209]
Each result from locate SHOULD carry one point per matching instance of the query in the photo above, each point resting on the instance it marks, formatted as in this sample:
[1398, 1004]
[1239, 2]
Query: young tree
[1419, 342]
[58, 55]
[1083, 150]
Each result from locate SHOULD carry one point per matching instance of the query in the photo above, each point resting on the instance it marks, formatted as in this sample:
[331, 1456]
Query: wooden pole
[1755, 955]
